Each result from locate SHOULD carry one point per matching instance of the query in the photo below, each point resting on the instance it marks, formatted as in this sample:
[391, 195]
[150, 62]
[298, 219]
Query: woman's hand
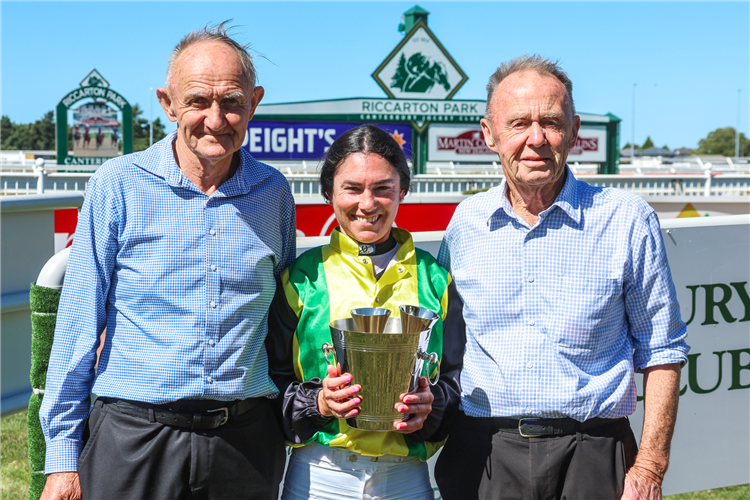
[418, 404]
[336, 398]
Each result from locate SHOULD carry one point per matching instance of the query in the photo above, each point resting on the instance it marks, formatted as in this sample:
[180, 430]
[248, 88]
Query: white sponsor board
[458, 143]
[462, 143]
[710, 262]
[590, 147]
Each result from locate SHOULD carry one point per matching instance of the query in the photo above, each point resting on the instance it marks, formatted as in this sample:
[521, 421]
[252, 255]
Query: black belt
[196, 414]
[536, 427]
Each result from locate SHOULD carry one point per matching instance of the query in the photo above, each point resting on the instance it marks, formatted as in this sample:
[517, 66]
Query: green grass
[15, 472]
[741, 492]
[14, 458]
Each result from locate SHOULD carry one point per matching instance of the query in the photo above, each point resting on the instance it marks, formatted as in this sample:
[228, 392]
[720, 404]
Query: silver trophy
[386, 361]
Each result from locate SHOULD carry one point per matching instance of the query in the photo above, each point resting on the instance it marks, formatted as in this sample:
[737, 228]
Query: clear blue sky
[688, 58]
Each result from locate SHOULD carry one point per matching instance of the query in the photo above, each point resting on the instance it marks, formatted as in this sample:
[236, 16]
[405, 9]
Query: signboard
[420, 67]
[711, 271]
[466, 144]
[96, 131]
[458, 143]
[378, 109]
[590, 147]
[277, 140]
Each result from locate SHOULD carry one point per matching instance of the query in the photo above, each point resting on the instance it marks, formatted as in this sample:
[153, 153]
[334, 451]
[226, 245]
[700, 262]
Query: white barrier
[710, 262]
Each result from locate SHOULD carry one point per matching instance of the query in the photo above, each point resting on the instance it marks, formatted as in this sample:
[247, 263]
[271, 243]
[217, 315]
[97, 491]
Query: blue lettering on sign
[293, 140]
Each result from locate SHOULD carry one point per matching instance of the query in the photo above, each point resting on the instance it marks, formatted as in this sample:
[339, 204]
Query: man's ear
[488, 139]
[165, 99]
[576, 128]
[258, 94]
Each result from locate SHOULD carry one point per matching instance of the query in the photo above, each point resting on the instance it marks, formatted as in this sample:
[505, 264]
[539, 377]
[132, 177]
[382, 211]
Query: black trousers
[126, 457]
[481, 462]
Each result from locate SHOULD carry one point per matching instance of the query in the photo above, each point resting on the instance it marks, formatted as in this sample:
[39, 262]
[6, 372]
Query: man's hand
[336, 398]
[62, 486]
[418, 404]
[661, 393]
[641, 487]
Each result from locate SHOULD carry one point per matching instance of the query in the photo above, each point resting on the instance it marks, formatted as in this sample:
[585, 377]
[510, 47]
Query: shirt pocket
[589, 311]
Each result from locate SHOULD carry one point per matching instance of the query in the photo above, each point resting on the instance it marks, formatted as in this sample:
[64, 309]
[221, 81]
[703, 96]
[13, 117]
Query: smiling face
[211, 100]
[531, 127]
[365, 197]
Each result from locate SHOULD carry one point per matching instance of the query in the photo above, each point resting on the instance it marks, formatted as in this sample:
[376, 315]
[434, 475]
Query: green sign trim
[407, 37]
[78, 94]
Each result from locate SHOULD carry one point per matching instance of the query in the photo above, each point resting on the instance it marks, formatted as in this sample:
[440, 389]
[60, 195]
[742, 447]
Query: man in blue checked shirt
[567, 292]
[176, 253]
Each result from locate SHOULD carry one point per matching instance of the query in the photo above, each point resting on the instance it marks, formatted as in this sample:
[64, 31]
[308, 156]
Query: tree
[141, 130]
[627, 146]
[721, 142]
[648, 143]
[39, 135]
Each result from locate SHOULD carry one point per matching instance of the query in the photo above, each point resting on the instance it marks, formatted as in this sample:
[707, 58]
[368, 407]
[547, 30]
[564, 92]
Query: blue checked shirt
[181, 280]
[559, 316]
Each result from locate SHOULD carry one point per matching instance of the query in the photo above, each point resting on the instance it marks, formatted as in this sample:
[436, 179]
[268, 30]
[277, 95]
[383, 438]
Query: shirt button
[529, 411]
[212, 231]
[209, 380]
[377, 300]
[213, 267]
[401, 269]
[211, 342]
[531, 279]
[365, 261]
[352, 458]
[213, 304]
[530, 366]
[532, 322]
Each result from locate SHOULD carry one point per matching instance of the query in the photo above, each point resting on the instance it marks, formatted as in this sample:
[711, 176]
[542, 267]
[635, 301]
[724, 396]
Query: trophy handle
[432, 359]
[328, 348]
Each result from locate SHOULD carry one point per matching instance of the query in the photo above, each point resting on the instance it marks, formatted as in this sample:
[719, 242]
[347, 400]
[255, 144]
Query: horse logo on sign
[419, 74]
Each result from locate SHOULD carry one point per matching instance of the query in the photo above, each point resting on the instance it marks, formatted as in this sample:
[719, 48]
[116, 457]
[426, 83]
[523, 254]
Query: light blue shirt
[181, 280]
[559, 316]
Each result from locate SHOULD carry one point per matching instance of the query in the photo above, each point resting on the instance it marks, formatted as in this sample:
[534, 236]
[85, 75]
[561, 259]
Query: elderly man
[176, 253]
[566, 292]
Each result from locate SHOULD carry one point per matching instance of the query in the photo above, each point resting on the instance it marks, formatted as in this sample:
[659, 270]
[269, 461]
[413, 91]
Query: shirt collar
[567, 200]
[159, 160]
[344, 244]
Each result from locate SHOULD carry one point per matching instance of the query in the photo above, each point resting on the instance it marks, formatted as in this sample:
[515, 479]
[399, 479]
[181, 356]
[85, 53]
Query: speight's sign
[274, 140]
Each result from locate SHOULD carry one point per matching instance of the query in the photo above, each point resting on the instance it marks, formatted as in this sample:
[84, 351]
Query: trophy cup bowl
[384, 363]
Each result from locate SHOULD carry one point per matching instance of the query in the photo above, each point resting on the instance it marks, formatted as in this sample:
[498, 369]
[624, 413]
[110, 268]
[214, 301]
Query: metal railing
[701, 183]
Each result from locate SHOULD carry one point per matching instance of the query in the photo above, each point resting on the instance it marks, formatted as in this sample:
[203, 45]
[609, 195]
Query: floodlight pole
[632, 132]
[737, 136]
[151, 117]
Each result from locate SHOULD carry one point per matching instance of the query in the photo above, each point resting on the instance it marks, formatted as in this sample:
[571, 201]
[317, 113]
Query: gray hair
[216, 33]
[527, 62]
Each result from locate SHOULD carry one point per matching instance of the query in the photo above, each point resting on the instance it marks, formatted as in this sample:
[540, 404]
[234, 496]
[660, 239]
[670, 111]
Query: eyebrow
[381, 182]
[202, 95]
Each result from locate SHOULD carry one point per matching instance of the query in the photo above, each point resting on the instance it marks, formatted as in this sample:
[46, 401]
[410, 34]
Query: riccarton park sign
[420, 79]
[95, 135]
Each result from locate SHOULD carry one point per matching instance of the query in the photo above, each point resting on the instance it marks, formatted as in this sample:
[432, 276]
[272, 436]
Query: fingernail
[407, 400]
[355, 390]
[347, 379]
[400, 426]
[401, 409]
[357, 401]
[354, 412]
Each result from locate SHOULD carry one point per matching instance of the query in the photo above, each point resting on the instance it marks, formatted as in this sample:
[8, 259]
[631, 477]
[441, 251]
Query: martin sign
[420, 67]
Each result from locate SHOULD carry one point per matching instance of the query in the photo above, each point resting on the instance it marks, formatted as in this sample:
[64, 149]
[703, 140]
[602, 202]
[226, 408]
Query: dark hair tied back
[363, 139]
